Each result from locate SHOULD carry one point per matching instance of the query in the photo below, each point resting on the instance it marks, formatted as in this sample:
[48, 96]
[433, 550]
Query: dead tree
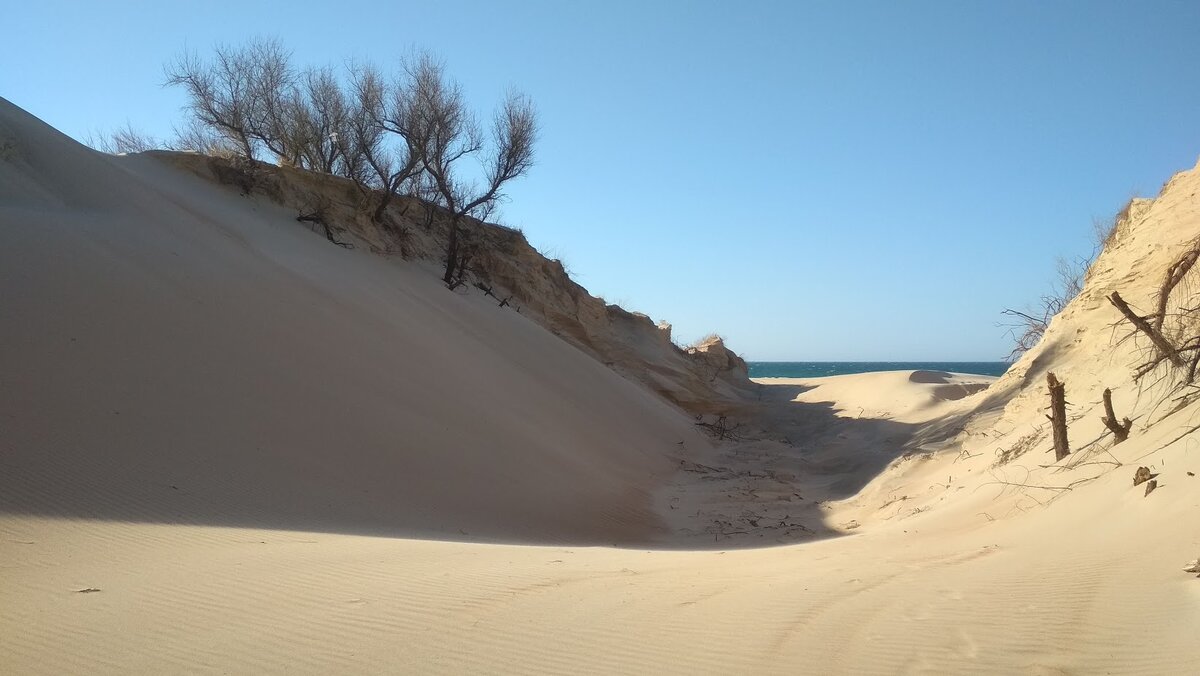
[380, 142]
[319, 115]
[465, 256]
[447, 134]
[1120, 430]
[1058, 416]
[220, 97]
[243, 95]
[1164, 346]
[1174, 276]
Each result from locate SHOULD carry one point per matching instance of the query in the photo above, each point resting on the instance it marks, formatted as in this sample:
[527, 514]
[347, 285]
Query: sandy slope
[257, 447]
[1091, 585]
[172, 351]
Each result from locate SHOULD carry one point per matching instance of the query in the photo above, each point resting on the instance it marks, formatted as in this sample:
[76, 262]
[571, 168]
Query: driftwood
[1165, 348]
[1174, 276]
[1120, 430]
[721, 429]
[1058, 416]
[486, 289]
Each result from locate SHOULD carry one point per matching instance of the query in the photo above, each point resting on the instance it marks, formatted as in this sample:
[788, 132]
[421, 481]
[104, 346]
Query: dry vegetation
[1172, 329]
[403, 134]
[1027, 325]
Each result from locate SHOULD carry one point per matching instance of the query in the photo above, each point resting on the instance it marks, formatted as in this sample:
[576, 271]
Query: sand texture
[228, 446]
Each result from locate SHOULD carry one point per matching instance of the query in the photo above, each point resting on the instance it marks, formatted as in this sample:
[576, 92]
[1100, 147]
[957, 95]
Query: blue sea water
[820, 369]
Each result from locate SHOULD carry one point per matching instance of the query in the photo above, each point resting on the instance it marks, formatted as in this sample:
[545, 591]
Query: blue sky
[813, 180]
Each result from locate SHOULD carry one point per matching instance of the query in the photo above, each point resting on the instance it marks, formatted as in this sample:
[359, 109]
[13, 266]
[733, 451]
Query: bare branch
[1164, 346]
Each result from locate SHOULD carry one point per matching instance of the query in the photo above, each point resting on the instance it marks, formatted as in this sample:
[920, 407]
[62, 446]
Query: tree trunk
[384, 200]
[451, 252]
[1120, 430]
[1160, 341]
[1175, 274]
[1058, 416]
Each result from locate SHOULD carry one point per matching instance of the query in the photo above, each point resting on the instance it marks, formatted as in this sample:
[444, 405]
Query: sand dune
[230, 447]
[931, 590]
[173, 351]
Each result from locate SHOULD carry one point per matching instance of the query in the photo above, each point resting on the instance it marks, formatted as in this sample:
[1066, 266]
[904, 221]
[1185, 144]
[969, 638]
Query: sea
[820, 369]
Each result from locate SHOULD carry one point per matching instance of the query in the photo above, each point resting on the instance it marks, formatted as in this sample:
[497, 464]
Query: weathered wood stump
[1120, 430]
[1058, 416]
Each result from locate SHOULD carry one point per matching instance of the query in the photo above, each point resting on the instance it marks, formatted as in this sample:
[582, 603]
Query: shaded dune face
[946, 389]
[930, 377]
[173, 352]
[956, 391]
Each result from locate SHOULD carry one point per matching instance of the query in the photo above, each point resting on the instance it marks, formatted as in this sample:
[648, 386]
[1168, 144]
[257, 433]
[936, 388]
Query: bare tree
[247, 96]
[379, 145]
[322, 117]
[277, 111]
[413, 136]
[449, 137]
[220, 95]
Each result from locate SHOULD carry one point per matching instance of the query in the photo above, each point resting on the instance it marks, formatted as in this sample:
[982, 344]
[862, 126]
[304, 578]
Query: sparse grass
[1018, 448]
[697, 343]
[1104, 230]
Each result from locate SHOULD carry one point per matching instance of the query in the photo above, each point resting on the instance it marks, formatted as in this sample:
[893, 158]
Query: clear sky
[814, 180]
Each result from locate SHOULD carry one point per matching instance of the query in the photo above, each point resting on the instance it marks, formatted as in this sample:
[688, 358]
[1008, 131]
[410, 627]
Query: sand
[230, 447]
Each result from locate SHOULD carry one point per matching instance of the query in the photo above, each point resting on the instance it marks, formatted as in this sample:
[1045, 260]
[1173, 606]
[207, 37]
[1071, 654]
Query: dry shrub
[1018, 448]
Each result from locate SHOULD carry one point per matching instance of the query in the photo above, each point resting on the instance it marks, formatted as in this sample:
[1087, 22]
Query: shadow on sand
[766, 488]
[769, 487]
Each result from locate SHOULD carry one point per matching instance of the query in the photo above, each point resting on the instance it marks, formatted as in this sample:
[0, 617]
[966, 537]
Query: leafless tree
[278, 106]
[451, 139]
[379, 143]
[221, 95]
[248, 96]
[412, 136]
[322, 115]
